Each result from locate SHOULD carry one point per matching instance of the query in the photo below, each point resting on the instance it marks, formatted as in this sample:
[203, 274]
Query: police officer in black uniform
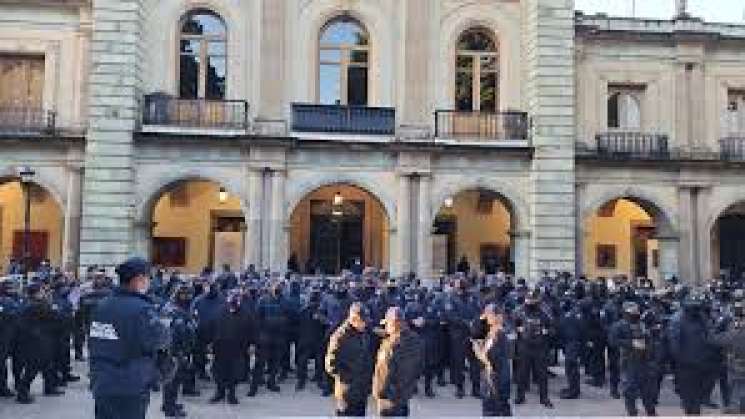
[533, 329]
[125, 338]
[183, 333]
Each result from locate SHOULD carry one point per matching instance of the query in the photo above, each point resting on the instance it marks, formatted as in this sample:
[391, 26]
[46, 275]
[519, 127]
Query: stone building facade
[551, 117]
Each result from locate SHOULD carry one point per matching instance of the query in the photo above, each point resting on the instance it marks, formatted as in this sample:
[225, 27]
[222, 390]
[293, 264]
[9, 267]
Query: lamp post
[26, 175]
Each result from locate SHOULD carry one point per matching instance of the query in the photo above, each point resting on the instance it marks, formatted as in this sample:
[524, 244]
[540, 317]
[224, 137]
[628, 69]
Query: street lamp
[223, 195]
[338, 199]
[27, 177]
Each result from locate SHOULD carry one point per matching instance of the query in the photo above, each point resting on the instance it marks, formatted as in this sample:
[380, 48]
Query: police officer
[424, 319]
[35, 345]
[349, 361]
[533, 330]
[183, 334]
[229, 343]
[206, 308]
[311, 330]
[62, 331]
[271, 321]
[638, 364]
[693, 352]
[732, 339]
[399, 365]
[494, 349]
[125, 337]
[571, 329]
[9, 310]
[460, 310]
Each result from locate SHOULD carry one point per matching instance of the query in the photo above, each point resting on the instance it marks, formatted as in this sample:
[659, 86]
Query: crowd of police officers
[367, 334]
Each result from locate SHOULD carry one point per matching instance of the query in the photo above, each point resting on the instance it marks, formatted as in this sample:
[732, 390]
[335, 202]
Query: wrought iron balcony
[632, 145]
[732, 148]
[26, 121]
[481, 126]
[163, 113]
[340, 119]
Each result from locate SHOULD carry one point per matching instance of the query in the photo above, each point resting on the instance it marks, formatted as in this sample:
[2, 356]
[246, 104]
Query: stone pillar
[278, 232]
[403, 226]
[669, 256]
[520, 244]
[253, 238]
[114, 87]
[687, 237]
[424, 229]
[71, 234]
[414, 105]
[579, 229]
[143, 236]
[548, 36]
[705, 238]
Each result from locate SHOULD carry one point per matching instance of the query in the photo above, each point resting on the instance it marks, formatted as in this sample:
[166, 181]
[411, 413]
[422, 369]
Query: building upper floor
[452, 71]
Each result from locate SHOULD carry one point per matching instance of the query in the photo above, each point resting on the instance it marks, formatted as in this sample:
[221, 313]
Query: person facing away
[493, 351]
[125, 338]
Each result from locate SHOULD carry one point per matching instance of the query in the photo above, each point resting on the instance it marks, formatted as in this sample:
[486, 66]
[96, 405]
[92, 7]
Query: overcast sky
[709, 10]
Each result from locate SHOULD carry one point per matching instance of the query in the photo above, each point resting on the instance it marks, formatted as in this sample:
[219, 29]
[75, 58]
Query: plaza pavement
[78, 404]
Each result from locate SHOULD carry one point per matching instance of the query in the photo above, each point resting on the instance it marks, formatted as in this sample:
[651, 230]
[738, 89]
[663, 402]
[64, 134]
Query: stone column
[278, 232]
[549, 87]
[143, 236]
[520, 244]
[403, 226]
[114, 87]
[687, 236]
[424, 229]
[253, 236]
[71, 234]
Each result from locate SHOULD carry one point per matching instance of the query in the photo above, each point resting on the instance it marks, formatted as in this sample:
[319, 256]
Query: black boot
[547, 403]
[5, 392]
[231, 396]
[459, 392]
[520, 399]
[252, 391]
[428, 389]
[476, 390]
[272, 386]
[219, 395]
[24, 398]
[53, 392]
[614, 392]
[569, 394]
[70, 378]
[300, 385]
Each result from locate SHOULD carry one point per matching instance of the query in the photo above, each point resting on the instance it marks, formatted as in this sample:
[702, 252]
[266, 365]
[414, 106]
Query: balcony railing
[339, 119]
[632, 145]
[481, 126]
[20, 120]
[732, 148]
[166, 112]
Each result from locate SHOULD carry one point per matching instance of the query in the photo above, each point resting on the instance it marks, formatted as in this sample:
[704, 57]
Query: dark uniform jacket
[349, 361]
[125, 336]
[399, 365]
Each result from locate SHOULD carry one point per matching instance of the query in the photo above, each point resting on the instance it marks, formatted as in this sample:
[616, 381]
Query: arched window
[624, 111]
[202, 56]
[476, 72]
[343, 57]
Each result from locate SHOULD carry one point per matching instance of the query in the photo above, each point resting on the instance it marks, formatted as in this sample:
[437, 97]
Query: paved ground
[77, 404]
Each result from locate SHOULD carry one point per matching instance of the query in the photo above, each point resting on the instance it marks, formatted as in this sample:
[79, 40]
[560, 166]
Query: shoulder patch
[104, 331]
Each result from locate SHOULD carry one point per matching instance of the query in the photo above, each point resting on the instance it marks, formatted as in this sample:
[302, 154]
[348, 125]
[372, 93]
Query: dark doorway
[639, 246]
[448, 225]
[732, 244]
[336, 235]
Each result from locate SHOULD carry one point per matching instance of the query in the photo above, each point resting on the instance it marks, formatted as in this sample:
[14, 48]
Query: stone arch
[153, 191]
[167, 15]
[663, 214]
[720, 201]
[511, 198]
[50, 182]
[313, 19]
[501, 23]
[296, 192]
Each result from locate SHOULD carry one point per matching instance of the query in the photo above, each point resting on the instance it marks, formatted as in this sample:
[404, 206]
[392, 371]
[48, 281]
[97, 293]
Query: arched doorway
[336, 225]
[474, 225]
[630, 237]
[47, 225]
[728, 243]
[197, 224]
